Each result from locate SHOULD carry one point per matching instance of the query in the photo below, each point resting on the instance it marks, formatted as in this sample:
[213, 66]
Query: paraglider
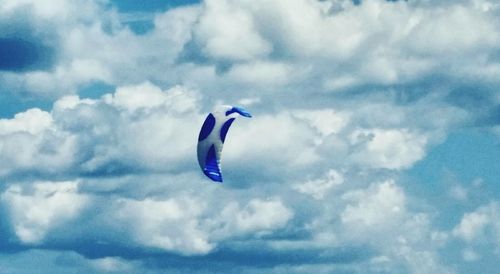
[212, 136]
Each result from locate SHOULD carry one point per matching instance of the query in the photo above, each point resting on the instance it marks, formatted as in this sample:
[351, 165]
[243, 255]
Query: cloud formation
[347, 97]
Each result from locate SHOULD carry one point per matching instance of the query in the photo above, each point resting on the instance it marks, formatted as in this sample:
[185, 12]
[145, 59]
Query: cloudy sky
[374, 145]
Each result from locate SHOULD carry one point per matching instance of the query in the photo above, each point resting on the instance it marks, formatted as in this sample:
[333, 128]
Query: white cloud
[36, 209]
[138, 125]
[75, 29]
[476, 31]
[145, 96]
[458, 192]
[480, 232]
[174, 28]
[381, 216]
[60, 10]
[111, 264]
[264, 73]
[340, 82]
[295, 63]
[480, 224]
[316, 34]
[319, 188]
[387, 148]
[179, 223]
[33, 121]
[249, 101]
[471, 225]
[168, 224]
[144, 126]
[325, 121]
[30, 140]
[258, 216]
[271, 139]
[70, 102]
[381, 204]
[335, 43]
[227, 31]
[470, 255]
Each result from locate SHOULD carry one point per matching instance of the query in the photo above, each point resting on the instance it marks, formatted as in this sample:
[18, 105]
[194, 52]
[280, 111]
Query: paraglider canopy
[212, 136]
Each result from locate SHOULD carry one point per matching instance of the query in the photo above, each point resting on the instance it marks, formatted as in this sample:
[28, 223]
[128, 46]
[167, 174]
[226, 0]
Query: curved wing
[212, 136]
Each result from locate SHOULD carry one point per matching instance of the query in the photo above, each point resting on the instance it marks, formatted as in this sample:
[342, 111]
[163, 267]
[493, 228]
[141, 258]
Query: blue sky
[373, 147]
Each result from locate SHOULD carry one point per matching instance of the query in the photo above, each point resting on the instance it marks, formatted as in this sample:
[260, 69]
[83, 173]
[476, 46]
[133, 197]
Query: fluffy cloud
[392, 43]
[222, 25]
[471, 226]
[388, 148]
[100, 132]
[183, 224]
[256, 217]
[35, 209]
[142, 129]
[330, 48]
[33, 121]
[76, 29]
[381, 216]
[345, 96]
[325, 121]
[129, 133]
[30, 141]
[475, 224]
[169, 224]
[137, 135]
[480, 231]
[319, 187]
[381, 204]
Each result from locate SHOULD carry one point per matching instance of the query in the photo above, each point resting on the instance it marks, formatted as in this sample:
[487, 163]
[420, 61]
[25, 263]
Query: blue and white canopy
[212, 136]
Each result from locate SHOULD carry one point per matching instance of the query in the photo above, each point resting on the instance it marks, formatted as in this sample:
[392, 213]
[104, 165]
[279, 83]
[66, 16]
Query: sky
[374, 145]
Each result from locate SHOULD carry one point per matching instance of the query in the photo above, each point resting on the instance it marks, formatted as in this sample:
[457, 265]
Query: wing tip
[241, 111]
[214, 176]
